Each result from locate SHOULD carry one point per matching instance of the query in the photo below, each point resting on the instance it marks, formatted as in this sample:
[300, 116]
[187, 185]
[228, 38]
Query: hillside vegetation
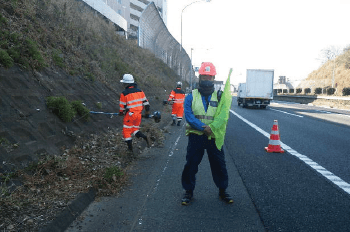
[69, 35]
[323, 77]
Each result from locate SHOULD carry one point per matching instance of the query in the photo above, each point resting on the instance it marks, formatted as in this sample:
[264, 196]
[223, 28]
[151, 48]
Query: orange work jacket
[177, 96]
[132, 99]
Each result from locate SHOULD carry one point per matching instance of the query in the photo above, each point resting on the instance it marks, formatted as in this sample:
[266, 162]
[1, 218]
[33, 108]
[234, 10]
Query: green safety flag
[218, 126]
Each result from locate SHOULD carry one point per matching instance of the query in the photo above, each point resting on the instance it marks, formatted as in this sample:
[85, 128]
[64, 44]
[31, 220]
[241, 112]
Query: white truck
[258, 88]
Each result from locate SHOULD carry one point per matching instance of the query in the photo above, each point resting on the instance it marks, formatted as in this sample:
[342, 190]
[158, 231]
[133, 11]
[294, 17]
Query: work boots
[139, 134]
[148, 141]
[174, 123]
[224, 196]
[178, 123]
[129, 143]
[187, 197]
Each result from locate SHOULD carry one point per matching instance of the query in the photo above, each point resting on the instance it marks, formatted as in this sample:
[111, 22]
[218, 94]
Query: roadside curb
[67, 216]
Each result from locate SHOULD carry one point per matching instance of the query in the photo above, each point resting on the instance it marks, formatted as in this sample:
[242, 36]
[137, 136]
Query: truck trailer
[258, 88]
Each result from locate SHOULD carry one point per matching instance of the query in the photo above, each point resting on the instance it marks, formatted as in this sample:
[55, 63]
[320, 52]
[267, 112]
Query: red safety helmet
[207, 68]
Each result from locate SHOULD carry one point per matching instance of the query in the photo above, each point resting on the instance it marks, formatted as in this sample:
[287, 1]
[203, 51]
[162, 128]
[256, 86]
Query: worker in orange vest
[132, 101]
[176, 98]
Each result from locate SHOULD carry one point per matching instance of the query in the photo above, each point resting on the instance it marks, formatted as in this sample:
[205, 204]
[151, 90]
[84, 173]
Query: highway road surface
[307, 188]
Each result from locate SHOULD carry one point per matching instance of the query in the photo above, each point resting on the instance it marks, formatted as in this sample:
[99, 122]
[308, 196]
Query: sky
[286, 36]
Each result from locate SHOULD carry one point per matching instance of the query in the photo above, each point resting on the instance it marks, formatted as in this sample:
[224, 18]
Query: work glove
[121, 113]
[207, 130]
[147, 114]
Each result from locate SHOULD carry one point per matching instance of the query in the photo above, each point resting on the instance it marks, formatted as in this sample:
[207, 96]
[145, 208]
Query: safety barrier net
[154, 36]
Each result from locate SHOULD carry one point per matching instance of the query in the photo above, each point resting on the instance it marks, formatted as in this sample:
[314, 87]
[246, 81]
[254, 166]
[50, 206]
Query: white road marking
[138, 218]
[324, 172]
[328, 112]
[322, 111]
[287, 113]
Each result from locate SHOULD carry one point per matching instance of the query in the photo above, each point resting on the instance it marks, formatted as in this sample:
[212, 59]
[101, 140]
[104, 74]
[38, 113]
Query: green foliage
[16, 49]
[291, 90]
[58, 60]
[66, 110]
[6, 178]
[2, 20]
[15, 38]
[5, 59]
[299, 90]
[89, 76]
[33, 53]
[81, 109]
[4, 141]
[73, 72]
[99, 105]
[112, 173]
[61, 107]
[121, 67]
[307, 90]
[15, 53]
[318, 91]
[330, 91]
[346, 91]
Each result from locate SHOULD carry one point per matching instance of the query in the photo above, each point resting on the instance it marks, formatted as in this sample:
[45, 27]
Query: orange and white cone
[274, 143]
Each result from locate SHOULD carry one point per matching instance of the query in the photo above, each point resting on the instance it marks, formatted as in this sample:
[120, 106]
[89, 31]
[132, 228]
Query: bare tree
[331, 53]
[347, 48]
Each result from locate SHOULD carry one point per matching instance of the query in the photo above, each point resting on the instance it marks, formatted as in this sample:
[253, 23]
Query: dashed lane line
[287, 113]
[139, 218]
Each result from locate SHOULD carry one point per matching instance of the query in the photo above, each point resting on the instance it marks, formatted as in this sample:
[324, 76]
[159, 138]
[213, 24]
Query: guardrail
[331, 101]
[316, 97]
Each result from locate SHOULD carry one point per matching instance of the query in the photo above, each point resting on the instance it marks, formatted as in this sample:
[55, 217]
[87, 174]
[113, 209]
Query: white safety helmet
[179, 84]
[127, 78]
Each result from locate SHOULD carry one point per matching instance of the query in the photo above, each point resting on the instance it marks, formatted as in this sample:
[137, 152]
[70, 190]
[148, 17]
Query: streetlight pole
[183, 12]
[333, 73]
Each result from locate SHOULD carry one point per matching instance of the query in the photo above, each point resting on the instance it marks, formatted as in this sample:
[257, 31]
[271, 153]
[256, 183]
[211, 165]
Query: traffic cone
[274, 143]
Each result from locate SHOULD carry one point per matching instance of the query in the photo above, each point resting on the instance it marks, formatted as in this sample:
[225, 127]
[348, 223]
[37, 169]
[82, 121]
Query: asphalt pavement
[152, 201]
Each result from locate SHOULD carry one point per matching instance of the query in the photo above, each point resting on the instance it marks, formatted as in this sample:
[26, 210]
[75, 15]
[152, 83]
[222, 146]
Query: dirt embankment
[74, 156]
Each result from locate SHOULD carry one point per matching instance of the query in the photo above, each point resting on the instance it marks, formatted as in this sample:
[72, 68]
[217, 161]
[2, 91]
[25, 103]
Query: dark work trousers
[195, 151]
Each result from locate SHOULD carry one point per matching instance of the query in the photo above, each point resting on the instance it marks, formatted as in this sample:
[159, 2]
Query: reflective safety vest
[132, 99]
[199, 111]
[177, 96]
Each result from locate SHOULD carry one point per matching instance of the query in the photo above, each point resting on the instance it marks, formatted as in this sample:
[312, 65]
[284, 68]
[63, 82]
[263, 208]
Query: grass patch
[99, 105]
[66, 110]
[5, 59]
[58, 59]
[112, 174]
[61, 107]
[81, 110]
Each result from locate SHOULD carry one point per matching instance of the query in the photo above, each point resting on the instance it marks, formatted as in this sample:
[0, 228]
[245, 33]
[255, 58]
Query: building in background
[284, 85]
[131, 11]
